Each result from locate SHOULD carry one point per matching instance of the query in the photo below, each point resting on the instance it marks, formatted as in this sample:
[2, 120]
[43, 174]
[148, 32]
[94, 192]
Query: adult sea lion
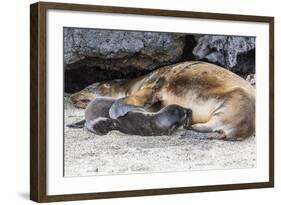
[137, 121]
[220, 100]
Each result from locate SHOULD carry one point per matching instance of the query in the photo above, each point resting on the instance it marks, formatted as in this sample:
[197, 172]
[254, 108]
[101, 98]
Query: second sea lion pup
[136, 122]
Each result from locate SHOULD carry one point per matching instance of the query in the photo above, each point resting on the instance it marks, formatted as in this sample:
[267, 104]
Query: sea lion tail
[79, 124]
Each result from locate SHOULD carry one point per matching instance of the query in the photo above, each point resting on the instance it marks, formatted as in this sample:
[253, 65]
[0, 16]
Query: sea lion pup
[220, 100]
[136, 122]
[96, 111]
[163, 122]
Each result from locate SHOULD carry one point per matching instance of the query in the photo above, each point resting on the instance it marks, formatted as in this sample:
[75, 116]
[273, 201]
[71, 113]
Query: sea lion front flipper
[119, 109]
[100, 125]
[79, 124]
[140, 100]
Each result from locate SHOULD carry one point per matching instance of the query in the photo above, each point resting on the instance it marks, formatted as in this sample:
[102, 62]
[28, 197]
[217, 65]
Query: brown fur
[221, 101]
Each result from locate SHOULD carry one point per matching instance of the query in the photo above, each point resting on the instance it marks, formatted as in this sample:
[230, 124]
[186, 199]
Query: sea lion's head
[113, 88]
[178, 115]
[82, 99]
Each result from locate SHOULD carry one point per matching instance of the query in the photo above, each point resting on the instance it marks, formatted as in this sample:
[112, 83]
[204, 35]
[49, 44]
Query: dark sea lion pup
[136, 122]
[163, 122]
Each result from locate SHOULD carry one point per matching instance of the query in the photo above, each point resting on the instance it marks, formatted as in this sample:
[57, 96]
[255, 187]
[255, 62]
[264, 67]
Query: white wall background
[14, 101]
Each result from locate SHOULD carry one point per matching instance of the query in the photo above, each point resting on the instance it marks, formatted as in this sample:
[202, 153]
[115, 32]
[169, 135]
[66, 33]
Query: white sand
[117, 153]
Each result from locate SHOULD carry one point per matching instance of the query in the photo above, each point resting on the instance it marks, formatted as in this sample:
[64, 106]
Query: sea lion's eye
[85, 100]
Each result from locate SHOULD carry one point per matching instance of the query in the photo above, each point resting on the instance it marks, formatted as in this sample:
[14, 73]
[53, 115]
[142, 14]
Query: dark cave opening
[79, 78]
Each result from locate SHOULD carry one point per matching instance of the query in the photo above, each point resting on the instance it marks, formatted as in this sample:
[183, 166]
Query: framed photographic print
[134, 102]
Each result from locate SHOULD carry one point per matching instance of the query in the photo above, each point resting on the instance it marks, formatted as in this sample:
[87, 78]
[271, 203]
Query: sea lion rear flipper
[79, 124]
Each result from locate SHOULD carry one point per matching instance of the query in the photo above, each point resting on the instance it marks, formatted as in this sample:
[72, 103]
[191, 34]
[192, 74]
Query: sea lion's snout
[81, 100]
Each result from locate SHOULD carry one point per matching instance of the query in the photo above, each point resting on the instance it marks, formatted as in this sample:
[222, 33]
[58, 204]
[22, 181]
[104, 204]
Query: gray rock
[233, 52]
[88, 53]
[120, 50]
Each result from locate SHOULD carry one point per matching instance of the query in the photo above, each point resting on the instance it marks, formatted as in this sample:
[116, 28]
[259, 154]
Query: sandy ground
[87, 154]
